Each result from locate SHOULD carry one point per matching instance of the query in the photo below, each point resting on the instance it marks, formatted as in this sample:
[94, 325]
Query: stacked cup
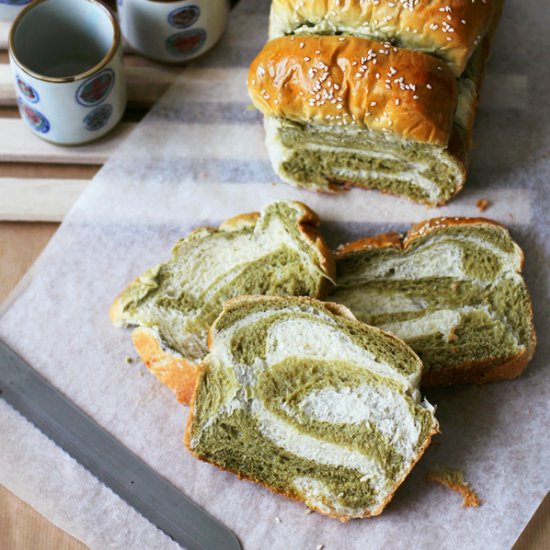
[173, 31]
[66, 56]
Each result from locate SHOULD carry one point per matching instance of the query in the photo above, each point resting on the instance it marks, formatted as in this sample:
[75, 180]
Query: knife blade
[108, 459]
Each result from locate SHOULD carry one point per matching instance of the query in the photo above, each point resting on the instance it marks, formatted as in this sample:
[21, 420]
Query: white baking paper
[199, 158]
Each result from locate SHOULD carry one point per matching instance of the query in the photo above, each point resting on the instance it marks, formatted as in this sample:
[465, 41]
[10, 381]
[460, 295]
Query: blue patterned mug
[172, 31]
[66, 58]
[10, 8]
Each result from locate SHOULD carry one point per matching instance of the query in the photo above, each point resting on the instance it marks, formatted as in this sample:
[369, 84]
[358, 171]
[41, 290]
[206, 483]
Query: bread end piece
[166, 364]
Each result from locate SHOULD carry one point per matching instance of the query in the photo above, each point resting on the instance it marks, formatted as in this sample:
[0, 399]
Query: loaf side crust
[450, 30]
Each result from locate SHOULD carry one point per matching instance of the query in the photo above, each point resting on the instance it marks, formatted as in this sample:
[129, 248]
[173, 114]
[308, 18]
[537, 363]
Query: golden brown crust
[454, 481]
[336, 309]
[309, 227]
[335, 80]
[384, 240]
[479, 372]
[450, 29]
[425, 227]
[169, 367]
[117, 308]
[418, 456]
[240, 221]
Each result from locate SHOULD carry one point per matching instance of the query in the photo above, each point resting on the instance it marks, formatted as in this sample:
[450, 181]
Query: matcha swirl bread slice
[452, 289]
[277, 252]
[299, 396]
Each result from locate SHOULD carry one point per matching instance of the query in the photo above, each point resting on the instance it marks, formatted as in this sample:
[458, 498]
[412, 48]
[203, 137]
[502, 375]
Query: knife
[107, 459]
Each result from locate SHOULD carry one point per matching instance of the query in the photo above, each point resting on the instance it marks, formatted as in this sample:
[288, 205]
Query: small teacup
[172, 31]
[10, 8]
[66, 58]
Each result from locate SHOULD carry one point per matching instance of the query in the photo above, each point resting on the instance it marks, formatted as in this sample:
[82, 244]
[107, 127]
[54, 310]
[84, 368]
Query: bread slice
[277, 252]
[301, 397]
[452, 289]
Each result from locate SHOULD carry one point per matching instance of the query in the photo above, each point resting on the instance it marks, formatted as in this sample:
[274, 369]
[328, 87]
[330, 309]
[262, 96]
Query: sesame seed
[397, 101]
[302, 45]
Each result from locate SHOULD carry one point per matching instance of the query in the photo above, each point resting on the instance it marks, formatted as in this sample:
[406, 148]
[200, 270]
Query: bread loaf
[343, 108]
[299, 396]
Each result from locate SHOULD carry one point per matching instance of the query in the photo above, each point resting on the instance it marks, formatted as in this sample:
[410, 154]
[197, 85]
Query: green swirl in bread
[452, 289]
[301, 397]
[276, 252]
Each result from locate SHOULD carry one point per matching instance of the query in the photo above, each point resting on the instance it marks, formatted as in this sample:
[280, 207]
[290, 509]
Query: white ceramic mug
[10, 8]
[172, 31]
[66, 59]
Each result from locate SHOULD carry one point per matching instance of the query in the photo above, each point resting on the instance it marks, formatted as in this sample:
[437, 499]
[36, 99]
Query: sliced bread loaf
[277, 252]
[301, 397]
[452, 289]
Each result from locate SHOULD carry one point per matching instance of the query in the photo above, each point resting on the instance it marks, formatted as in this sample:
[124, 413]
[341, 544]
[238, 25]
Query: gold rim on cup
[105, 61]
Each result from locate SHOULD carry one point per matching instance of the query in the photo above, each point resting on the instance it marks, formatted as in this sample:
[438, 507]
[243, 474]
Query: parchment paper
[198, 158]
